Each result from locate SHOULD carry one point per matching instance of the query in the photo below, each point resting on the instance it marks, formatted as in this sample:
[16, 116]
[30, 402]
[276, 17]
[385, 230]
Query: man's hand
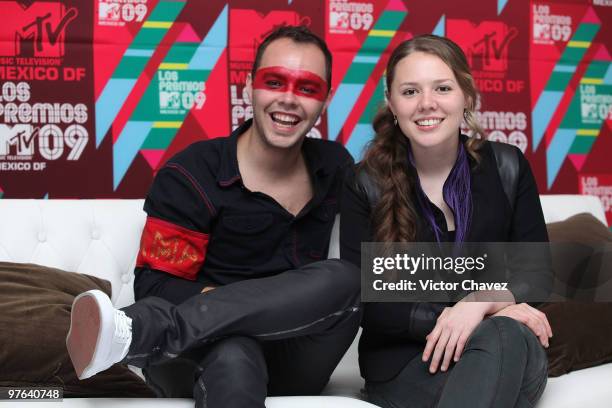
[530, 317]
[207, 288]
[451, 332]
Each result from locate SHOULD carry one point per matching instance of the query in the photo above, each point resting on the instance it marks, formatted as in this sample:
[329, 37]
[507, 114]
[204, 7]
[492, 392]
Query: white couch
[101, 238]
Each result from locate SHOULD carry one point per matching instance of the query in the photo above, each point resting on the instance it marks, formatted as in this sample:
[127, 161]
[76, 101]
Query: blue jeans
[503, 365]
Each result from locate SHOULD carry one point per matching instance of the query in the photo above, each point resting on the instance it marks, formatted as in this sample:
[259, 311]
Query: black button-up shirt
[246, 234]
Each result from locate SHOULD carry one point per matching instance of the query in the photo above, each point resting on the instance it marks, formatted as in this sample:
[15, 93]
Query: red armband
[172, 248]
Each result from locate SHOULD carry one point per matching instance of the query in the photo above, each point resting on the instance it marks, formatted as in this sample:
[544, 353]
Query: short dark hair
[300, 35]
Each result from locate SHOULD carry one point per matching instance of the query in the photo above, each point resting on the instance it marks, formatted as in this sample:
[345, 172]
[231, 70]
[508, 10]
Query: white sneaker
[99, 335]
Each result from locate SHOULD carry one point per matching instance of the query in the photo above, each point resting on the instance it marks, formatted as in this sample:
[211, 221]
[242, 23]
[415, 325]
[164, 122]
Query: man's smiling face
[288, 92]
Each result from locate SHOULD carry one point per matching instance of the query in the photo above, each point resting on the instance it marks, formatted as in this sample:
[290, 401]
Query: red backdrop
[95, 96]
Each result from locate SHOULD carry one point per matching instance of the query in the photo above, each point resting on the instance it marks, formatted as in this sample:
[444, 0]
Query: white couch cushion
[558, 207]
[101, 238]
[271, 402]
[97, 237]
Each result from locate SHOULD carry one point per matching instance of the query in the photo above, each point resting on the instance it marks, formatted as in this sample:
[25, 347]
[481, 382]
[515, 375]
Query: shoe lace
[123, 326]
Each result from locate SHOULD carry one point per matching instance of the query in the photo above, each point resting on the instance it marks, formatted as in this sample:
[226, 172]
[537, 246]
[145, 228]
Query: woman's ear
[469, 104]
[389, 103]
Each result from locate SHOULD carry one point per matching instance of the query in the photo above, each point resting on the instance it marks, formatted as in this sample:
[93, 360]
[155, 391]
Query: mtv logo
[37, 31]
[485, 45]
[108, 11]
[169, 100]
[338, 19]
[541, 32]
[248, 28]
[21, 136]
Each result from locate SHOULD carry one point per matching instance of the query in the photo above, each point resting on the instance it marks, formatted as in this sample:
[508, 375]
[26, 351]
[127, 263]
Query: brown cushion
[582, 334]
[582, 330]
[582, 227]
[35, 304]
[581, 258]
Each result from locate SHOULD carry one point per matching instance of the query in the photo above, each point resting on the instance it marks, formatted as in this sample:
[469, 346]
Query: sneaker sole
[83, 335]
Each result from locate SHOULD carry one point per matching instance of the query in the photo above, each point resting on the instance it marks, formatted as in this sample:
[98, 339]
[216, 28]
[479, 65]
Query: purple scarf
[457, 195]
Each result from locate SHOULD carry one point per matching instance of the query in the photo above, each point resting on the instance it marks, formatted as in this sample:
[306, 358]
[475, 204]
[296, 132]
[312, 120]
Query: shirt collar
[229, 172]
[316, 164]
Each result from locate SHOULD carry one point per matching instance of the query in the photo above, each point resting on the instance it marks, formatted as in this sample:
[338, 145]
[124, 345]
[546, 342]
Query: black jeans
[503, 365]
[232, 346]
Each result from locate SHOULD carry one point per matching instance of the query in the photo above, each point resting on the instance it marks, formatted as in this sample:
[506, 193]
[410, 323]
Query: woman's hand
[530, 317]
[453, 327]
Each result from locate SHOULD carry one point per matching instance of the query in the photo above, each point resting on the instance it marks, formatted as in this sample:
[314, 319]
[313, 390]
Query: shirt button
[42, 236]
[95, 234]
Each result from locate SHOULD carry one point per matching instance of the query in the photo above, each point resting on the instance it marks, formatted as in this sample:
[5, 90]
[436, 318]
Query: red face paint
[297, 81]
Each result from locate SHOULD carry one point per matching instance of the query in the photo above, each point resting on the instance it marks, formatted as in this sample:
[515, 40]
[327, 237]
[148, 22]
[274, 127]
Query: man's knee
[341, 277]
[236, 356]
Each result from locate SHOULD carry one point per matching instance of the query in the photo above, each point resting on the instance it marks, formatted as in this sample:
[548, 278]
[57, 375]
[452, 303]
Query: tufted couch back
[97, 237]
[101, 237]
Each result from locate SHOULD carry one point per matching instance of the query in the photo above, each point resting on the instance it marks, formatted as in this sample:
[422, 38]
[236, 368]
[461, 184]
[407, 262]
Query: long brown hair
[386, 157]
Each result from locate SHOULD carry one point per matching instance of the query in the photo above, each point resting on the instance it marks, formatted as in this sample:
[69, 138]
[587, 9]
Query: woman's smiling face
[426, 99]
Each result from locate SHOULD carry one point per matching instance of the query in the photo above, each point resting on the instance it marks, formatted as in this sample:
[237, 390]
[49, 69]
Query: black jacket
[388, 341]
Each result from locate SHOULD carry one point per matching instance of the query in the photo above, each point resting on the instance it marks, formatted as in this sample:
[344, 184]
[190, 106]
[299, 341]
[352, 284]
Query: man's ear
[248, 86]
[327, 100]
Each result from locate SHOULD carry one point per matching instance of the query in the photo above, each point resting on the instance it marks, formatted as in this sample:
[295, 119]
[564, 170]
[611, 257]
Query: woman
[433, 184]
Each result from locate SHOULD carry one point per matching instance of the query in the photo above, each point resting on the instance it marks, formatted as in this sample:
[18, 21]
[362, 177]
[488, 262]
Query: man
[235, 302]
